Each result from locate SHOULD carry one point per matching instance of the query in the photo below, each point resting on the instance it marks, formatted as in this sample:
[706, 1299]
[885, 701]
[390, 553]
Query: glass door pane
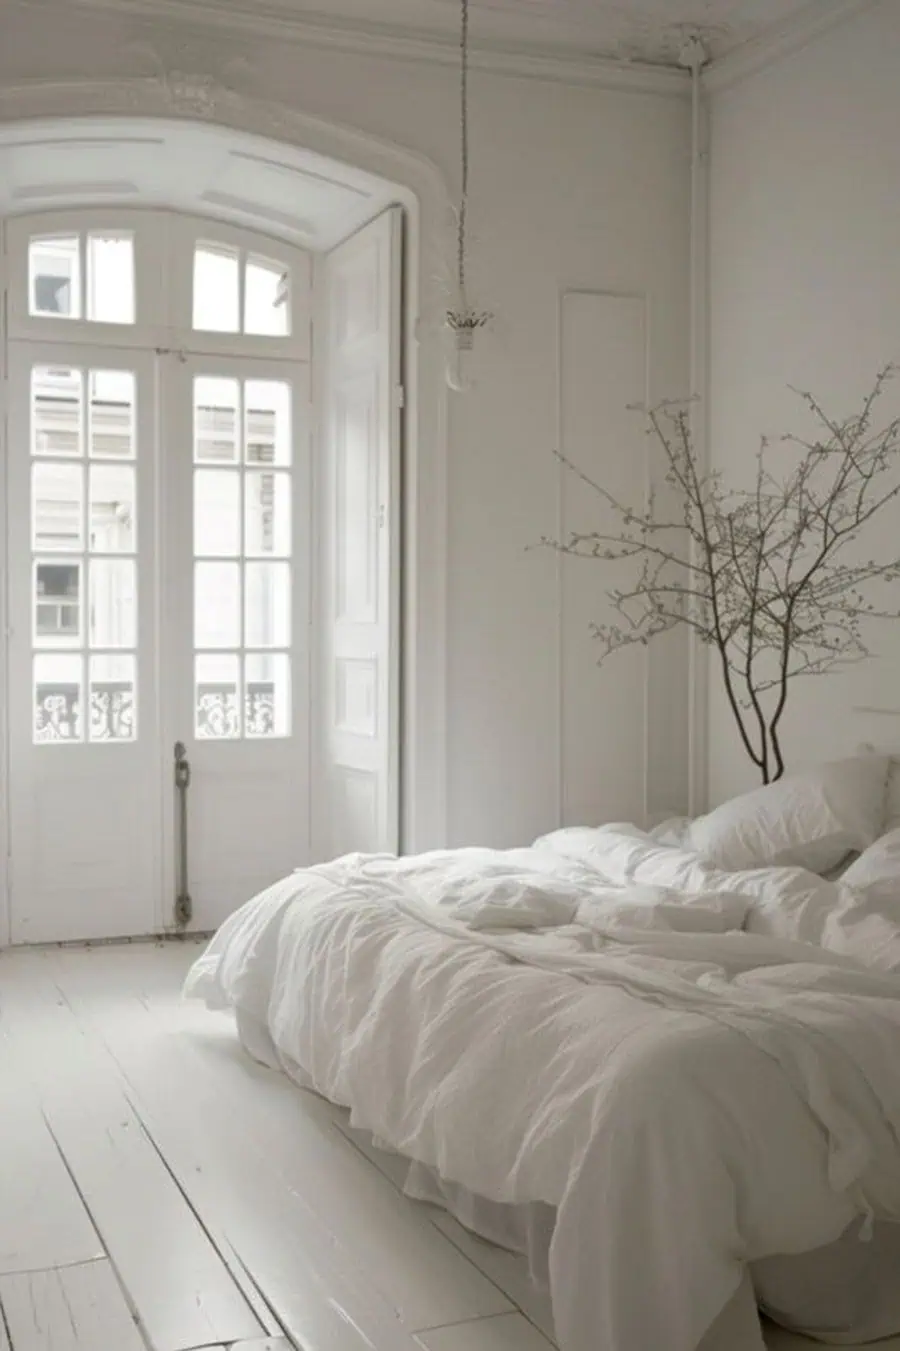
[83, 747]
[81, 509]
[242, 512]
[238, 466]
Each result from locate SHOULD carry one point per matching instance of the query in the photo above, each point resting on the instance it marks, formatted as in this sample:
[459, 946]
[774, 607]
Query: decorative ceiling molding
[269, 19]
[643, 31]
[275, 19]
[788, 37]
[190, 89]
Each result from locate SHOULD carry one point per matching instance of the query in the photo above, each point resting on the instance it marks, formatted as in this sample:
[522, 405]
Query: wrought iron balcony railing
[58, 711]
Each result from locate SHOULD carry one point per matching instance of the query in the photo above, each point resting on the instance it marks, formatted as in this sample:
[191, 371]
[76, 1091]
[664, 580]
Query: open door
[355, 782]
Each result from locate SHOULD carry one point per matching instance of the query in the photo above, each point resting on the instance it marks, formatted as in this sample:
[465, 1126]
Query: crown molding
[812, 22]
[274, 19]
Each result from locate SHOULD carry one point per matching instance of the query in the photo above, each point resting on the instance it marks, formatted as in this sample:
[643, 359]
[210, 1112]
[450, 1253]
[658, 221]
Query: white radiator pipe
[694, 56]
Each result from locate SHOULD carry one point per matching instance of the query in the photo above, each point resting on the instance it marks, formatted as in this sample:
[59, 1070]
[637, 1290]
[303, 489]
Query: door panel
[356, 794]
[83, 694]
[237, 477]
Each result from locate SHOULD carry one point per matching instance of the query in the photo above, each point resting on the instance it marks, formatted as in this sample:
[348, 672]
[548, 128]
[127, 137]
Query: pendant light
[462, 319]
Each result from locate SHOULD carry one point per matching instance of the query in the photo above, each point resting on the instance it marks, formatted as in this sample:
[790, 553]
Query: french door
[169, 751]
[235, 685]
[158, 544]
[84, 694]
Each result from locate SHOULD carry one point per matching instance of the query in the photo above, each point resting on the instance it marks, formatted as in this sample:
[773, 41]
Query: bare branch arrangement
[772, 577]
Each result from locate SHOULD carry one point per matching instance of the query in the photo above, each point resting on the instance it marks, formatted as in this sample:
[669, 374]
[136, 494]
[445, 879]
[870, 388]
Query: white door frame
[5, 911]
[422, 190]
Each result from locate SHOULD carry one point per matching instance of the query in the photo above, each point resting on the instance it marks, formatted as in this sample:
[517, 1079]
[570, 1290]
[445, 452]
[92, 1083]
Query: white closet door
[236, 485]
[84, 735]
[355, 781]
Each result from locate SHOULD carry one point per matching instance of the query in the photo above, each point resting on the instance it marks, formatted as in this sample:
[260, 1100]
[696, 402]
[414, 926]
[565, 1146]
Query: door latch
[184, 908]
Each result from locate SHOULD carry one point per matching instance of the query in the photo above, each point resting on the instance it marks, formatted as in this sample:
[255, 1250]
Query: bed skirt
[845, 1293]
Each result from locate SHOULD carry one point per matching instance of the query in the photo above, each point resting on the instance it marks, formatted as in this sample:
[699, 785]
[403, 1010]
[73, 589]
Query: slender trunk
[776, 750]
[758, 760]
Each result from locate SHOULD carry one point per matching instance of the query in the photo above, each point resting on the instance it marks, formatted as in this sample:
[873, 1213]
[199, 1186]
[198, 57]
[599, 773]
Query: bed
[661, 1064]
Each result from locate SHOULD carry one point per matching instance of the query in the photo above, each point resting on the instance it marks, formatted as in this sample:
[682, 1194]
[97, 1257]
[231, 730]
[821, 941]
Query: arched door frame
[422, 191]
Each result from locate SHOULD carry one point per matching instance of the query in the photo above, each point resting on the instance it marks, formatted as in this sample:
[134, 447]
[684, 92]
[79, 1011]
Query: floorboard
[507, 1332]
[777, 1339]
[80, 1063]
[508, 1271]
[78, 1308]
[42, 1220]
[181, 1287]
[267, 1344]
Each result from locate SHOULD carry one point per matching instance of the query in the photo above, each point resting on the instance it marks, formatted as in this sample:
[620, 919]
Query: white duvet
[606, 1026]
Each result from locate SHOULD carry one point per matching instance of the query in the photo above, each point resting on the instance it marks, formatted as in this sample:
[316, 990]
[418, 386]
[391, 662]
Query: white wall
[573, 188]
[805, 286]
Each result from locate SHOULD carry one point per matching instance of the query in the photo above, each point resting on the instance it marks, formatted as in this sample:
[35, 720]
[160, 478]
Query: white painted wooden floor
[161, 1192]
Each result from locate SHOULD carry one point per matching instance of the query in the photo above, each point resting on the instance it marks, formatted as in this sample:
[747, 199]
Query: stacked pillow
[879, 864]
[817, 819]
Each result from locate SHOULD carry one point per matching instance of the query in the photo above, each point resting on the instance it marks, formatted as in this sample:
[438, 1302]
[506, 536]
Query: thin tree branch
[763, 576]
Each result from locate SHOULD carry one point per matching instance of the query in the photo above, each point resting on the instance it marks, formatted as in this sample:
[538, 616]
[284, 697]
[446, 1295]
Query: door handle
[183, 905]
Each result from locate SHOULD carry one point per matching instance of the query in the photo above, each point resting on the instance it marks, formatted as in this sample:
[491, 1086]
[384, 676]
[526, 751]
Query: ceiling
[637, 30]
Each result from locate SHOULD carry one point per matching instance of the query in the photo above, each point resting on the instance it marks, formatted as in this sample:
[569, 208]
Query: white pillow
[811, 820]
[672, 832]
[879, 863]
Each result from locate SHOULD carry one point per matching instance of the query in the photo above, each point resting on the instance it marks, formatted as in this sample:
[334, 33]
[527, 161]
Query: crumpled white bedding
[604, 1026]
[862, 922]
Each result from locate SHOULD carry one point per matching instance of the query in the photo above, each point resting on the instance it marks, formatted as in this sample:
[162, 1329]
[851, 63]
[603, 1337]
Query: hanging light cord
[461, 318]
[464, 149]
